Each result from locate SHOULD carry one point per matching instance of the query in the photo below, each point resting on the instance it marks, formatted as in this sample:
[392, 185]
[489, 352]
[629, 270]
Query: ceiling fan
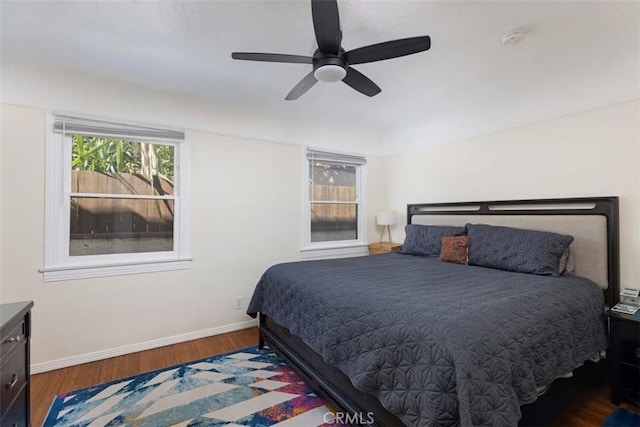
[331, 63]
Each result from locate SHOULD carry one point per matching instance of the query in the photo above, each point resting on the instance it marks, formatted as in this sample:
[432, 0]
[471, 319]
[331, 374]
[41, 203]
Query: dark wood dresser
[15, 328]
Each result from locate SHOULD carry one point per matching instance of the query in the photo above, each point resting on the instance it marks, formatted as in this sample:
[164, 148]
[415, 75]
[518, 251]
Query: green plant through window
[107, 155]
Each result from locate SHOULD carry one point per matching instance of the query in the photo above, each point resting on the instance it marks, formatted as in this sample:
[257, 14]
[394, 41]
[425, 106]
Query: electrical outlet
[238, 303]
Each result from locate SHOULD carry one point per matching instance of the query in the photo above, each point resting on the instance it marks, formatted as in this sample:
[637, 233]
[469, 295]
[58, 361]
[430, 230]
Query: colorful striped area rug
[249, 387]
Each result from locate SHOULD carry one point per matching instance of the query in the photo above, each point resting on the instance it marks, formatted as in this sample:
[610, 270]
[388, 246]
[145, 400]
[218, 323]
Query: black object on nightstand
[624, 354]
[15, 328]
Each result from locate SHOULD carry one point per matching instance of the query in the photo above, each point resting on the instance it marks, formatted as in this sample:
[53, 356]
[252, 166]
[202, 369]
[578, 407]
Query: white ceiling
[577, 55]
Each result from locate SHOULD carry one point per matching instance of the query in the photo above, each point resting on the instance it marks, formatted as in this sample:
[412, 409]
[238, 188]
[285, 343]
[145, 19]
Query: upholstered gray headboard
[593, 223]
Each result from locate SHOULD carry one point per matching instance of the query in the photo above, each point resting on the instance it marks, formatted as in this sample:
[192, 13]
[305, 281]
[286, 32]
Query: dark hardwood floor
[45, 386]
[588, 409]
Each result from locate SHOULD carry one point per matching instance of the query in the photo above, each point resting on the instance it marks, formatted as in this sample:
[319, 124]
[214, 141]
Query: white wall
[595, 153]
[245, 216]
[377, 199]
[32, 85]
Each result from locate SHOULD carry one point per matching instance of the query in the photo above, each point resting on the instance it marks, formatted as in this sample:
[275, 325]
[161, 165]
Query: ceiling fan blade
[388, 50]
[326, 23]
[272, 57]
[303, 86]
[361, 83]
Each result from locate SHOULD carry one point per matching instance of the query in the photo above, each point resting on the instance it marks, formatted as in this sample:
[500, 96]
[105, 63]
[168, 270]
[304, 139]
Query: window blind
[67, 124]
[317, 155]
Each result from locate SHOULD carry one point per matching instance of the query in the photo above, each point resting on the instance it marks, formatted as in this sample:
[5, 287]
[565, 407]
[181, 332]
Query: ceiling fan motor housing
[329, 67]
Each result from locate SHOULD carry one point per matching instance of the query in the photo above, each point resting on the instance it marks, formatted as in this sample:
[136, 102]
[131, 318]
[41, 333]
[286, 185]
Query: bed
[409, 339]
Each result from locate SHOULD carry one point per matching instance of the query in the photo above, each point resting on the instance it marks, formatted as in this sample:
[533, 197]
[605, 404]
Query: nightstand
[624, 355]
[383, 247]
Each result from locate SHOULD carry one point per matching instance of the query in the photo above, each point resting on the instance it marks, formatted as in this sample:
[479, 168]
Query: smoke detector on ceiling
[513, 38]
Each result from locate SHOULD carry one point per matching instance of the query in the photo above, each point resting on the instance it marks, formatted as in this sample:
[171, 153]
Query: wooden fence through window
[333, 215]
[119, 217]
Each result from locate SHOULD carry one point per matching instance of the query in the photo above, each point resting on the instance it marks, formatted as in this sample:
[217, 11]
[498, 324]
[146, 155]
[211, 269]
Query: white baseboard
[133, 348]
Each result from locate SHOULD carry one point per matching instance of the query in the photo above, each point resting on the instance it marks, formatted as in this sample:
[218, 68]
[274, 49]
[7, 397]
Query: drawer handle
[17, 338]
[14, 381]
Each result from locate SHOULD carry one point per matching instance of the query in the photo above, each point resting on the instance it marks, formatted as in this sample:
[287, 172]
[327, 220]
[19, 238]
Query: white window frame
[58, 264]
[335, 248]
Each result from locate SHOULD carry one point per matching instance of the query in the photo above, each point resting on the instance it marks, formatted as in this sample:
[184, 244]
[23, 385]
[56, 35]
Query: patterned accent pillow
[515, 249]
[455, 249]
[426, 239]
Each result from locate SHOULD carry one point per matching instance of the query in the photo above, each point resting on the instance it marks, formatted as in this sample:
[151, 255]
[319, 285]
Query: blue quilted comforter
[439, 344]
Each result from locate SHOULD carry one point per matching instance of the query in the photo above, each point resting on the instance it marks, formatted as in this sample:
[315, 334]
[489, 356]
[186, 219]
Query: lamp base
[388, 230]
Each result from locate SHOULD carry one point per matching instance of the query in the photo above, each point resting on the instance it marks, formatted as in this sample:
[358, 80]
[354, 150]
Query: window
[334, 196]
[116, 199]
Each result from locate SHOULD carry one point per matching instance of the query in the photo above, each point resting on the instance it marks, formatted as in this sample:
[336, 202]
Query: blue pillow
[426, 239]
[515, 249]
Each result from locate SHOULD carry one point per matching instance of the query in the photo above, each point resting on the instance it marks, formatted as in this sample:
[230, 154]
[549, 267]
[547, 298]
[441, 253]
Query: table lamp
[386, 219]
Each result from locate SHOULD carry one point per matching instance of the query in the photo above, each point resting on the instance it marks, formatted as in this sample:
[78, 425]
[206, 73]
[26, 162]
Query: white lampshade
[386, 218]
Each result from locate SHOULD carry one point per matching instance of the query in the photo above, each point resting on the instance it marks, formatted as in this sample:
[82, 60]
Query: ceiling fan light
[330, 73]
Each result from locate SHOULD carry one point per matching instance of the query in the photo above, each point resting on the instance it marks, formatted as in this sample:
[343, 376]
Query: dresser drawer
[14, 335]
[13, 376]
[16, 416]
